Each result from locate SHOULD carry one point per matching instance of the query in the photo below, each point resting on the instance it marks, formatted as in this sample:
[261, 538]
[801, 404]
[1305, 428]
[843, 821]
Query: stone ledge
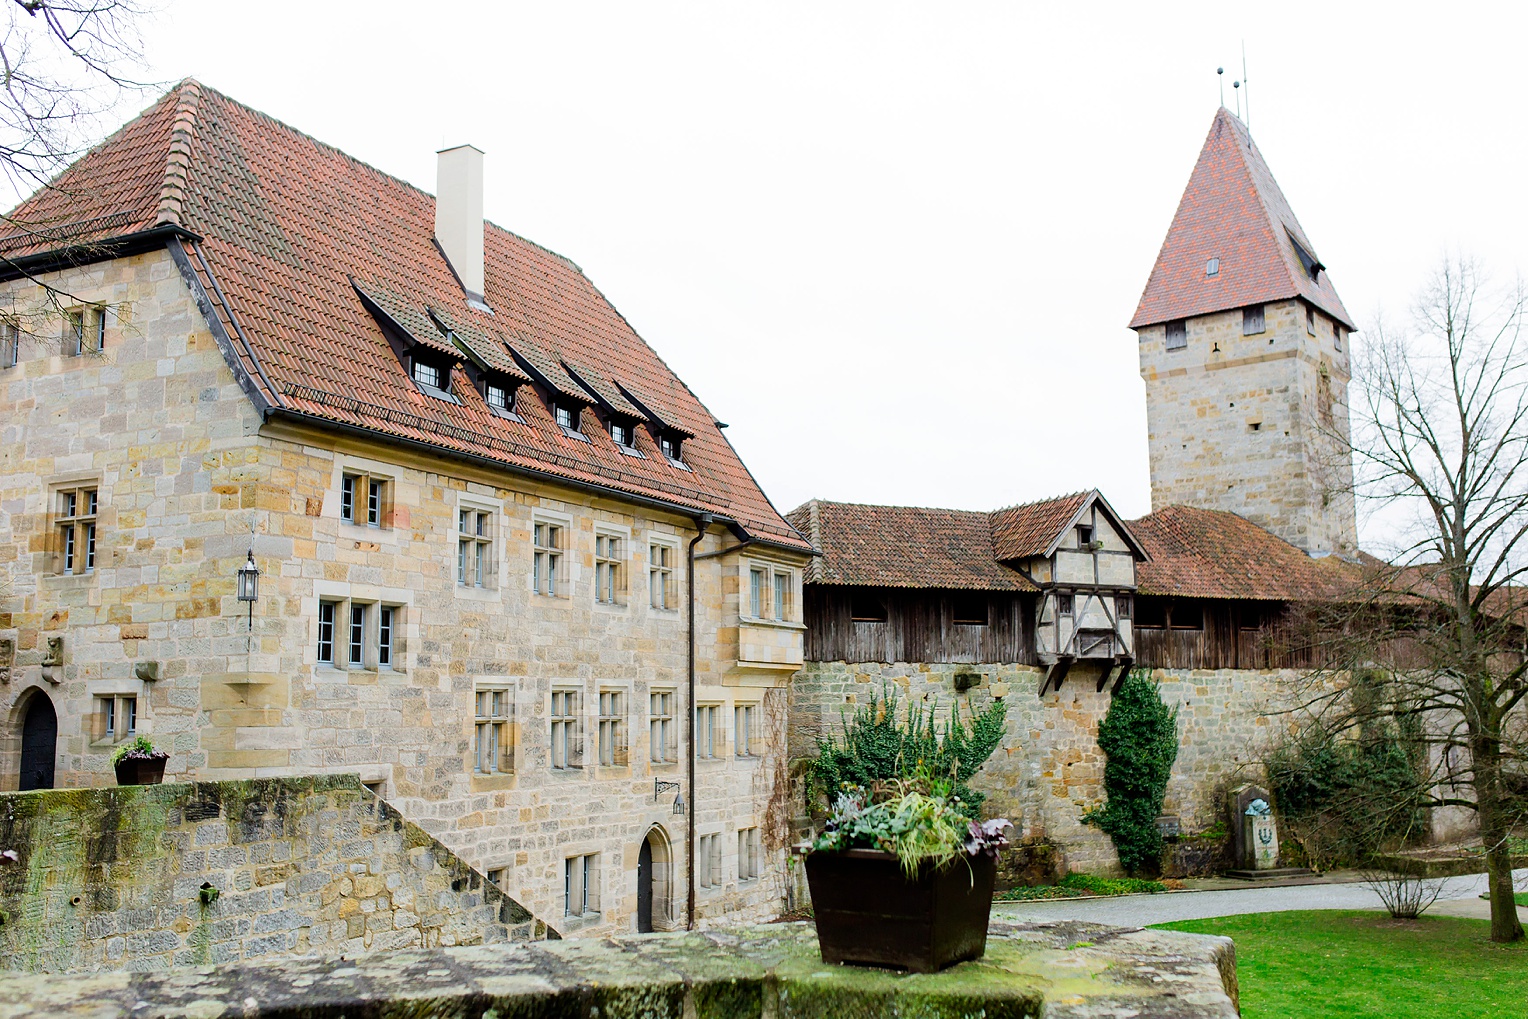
[1071, 970]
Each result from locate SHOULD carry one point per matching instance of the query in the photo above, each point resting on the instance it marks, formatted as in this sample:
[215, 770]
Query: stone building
[506, 558]
[1243, 349]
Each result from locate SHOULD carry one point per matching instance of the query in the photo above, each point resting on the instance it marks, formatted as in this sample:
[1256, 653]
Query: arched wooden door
[645, 888]
[39, 743]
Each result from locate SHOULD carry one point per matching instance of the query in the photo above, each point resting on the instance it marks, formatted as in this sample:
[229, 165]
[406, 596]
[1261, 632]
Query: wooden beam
[1125, 664]
[1057, 673]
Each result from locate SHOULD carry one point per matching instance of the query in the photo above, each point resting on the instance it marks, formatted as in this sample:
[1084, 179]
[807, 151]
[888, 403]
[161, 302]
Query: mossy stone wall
[146, 877]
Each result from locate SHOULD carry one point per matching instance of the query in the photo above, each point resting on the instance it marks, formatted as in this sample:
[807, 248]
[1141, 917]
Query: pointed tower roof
[1233, 210]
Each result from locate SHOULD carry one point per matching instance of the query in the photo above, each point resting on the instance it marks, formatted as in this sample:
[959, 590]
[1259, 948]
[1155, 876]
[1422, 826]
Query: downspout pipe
[702, 525]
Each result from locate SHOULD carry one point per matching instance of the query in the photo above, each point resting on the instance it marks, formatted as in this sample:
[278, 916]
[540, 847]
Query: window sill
[477, 593]
[482, 783]
[507, 415]
[631, 451]
[574, 433]
[679, 464]
[439, 394]
[69, 579]
[773, 624]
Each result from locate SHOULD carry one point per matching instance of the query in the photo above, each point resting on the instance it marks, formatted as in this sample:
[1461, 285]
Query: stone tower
[1244, 351]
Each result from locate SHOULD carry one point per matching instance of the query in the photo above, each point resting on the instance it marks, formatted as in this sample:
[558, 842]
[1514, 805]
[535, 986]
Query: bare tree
[1440, 445]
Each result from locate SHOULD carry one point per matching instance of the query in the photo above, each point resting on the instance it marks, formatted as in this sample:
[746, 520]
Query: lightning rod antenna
[1236, 87]
[1220, 76]
[1248, 84]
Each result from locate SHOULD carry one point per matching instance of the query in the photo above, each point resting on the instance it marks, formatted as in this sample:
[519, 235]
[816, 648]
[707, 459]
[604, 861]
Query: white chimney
[459, 214]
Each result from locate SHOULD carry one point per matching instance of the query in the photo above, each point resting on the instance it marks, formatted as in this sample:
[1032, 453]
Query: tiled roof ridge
[1080, 493]
[172, 190]
[892, 506]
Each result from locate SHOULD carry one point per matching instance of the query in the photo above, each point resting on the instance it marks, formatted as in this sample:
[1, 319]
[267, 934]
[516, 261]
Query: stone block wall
[146, 877]
[1048, 771]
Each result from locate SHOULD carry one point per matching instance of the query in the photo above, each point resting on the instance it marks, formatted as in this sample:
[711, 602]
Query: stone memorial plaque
[1262, 836]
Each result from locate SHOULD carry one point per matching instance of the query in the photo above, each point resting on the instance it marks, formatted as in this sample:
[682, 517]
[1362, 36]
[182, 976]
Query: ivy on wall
[1139, 733]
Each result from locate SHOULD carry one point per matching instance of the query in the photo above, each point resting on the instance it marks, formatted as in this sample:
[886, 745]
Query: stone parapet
[1031, 970]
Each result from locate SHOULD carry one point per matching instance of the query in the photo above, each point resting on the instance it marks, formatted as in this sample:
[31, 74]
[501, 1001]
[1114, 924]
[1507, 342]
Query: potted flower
[902, 877]
[138, 763]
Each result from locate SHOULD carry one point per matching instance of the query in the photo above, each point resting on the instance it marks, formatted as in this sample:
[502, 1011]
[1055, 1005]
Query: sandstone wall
[114, 878]
[1049, 771]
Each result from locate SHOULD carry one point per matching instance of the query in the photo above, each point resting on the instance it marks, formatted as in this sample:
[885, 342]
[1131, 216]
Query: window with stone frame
[567, 748]
[1336, 334]
[1253, 320]
[84, 331]
[709, 738]
[1177, 334]
[662, 735]
[10, 343]
[549, 549]
[581, 885]
[493, 746]
[661, 588]
[327, 610]
[360, 634]
[365, 500]
[74, 529]
[708, 862]
[609, 568]
[474, 547]
[748, 854]
[612, 728]
[115, 718]
[745, 734]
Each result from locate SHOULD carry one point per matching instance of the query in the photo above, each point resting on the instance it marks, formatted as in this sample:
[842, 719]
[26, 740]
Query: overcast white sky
[896, 246]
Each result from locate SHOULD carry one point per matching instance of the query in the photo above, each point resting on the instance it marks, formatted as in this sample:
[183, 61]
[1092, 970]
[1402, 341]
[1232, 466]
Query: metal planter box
[141, 770]
[870, 913]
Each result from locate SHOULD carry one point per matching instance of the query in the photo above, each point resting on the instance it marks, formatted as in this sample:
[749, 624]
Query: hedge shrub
[1139, 733]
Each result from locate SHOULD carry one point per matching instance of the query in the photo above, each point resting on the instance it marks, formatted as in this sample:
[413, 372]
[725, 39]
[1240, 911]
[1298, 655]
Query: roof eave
[73, 256]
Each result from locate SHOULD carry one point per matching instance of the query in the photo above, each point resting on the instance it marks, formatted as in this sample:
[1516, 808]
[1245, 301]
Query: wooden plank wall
[919, 627]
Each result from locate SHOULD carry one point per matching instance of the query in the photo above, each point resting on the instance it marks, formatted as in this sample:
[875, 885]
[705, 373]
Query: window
[969, 608]
[10, 344]
[1336, 334]
[76, 530]
[1252, 320]
[660, 577]
[707, 739]
[1064, 604]
[1307, 260]
[427, 375]
[608, 582]
[363, 499]
[1084, 536]
[385, 617]
[1122, 606]
[783, 591]
[326, 631]
[865, 607]
[1150, 614]
[1212, 267]
[546, 572]
[748, 854]
[660, 723]
[474, 548]
[580, 885]
[84, 329]
[566, 748]
[566, 415]
[1310, 320]
[498, 877]
[500, 398]
[612, 732]
[758, 586]
[493, 743]
[357, 654]
[708, 861]
[744, 719]
[1177, 335]
[116, 718]
[1186, 616]
[620, 432]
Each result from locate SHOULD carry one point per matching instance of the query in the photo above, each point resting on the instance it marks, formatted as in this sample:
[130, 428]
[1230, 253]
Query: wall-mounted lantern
[249, 586]
[660, 787]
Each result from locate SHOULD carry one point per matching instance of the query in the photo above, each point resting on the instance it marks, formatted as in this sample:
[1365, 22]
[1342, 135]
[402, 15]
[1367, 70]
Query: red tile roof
[1020, 532]
[1200, 553]
[292, 228]
[903, 546]
[1232, 210]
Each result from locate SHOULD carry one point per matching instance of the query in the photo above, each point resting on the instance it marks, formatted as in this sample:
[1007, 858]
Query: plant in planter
[902, 877]
[138, 763]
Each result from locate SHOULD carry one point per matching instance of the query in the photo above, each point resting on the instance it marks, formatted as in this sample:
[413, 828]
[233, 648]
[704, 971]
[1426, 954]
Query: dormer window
[621, 433]
[427, 374]
[1212, 267]
[566, 415]
[668, 445]
[500, 398]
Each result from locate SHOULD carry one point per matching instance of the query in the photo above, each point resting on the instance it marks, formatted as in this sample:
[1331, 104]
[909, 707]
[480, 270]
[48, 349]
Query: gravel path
[1144, 910]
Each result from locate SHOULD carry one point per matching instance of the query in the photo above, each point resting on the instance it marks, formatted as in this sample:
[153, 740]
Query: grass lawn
[1355, 965]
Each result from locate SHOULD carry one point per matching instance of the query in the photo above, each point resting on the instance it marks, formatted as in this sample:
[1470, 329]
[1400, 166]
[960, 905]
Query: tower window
[1212, 267]
[1310, 320]
[1177, 335]
[1252, 320]
[1336, 334]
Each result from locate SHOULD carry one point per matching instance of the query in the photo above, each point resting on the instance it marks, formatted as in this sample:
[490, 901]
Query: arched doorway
[653, 864]
[39, 743]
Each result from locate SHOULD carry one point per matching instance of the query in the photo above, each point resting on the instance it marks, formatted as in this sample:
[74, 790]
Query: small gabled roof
[1233, 210]
[286, 233]
[1037, 528]
[902, 546]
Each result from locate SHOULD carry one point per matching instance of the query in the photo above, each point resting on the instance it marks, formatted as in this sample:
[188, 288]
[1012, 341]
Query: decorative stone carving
[7, 658]
[1261, 835]
[53, 661]
[148, 672]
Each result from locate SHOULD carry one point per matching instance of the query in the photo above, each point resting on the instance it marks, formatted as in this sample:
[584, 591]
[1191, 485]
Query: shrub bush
[1139, 733]
[877, 746]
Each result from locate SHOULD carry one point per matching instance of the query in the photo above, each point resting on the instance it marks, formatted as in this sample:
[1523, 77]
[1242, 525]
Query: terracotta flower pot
[142, 770]
[869, 912]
